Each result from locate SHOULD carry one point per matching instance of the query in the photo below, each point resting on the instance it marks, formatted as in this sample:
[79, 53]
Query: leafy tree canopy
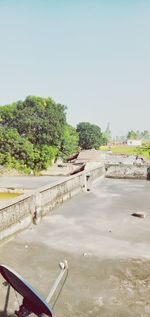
[41, 120]
[104, 139]
[90, 135]
[70, 142]
[144, 135]
[34, 131]
[31, 133]
[132, 135]
[13, 147]
[18, 152]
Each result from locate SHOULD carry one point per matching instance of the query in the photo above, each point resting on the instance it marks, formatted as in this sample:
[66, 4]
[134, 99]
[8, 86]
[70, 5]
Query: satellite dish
[33, 301]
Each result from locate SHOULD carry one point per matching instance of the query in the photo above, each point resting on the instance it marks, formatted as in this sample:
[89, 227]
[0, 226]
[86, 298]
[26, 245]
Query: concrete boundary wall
[134, 171]
[21, 212]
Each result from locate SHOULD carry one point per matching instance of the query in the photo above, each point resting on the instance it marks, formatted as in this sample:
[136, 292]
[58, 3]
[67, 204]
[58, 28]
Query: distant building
[134, 142]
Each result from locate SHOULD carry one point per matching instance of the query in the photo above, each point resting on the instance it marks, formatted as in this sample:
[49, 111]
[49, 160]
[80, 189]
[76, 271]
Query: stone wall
[21, 212]
[135, 171]
[16, 215]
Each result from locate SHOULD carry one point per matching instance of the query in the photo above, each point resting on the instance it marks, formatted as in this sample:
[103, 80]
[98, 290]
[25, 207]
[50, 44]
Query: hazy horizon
[92, 56]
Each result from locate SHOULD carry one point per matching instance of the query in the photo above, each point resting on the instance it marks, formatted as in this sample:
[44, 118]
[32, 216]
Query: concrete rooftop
[27, 182]
[108, 252]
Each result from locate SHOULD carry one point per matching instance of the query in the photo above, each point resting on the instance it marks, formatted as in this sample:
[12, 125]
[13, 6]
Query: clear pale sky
[93, 56]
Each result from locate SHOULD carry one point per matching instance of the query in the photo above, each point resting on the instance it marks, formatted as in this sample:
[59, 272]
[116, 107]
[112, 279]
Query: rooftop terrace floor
[107, 249]
[27, 182]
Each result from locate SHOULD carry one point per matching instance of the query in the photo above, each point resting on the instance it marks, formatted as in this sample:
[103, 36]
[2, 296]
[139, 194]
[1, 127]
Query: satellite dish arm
[64, 269]
[7, 297]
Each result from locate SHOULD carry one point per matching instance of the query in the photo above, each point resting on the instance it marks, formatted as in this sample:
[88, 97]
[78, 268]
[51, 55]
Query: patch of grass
[143, 150]
[128, 150]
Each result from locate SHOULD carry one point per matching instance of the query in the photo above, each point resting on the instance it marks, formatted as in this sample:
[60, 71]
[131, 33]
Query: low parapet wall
[21, 212]
[134, 171]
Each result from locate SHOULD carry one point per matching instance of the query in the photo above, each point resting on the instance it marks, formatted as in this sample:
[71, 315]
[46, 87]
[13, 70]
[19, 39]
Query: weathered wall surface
[19, 213]
[135, 171]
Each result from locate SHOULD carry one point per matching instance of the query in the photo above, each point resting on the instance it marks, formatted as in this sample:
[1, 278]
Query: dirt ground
[107, 250]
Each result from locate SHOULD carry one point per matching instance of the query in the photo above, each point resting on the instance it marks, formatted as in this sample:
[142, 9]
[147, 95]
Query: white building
[134, 142]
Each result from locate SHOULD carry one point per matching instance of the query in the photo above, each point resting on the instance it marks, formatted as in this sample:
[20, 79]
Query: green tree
[70, 142]
[104, 139]
[90, 135]
[18, 152]
[7, 114]
[132, 135]
[44, 156]
[41, 120]
[15, 148]
[145, 135]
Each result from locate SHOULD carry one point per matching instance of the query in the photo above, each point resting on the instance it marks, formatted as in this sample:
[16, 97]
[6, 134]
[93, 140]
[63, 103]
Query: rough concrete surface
[107, 249]
[127, 171]
[27, 182]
